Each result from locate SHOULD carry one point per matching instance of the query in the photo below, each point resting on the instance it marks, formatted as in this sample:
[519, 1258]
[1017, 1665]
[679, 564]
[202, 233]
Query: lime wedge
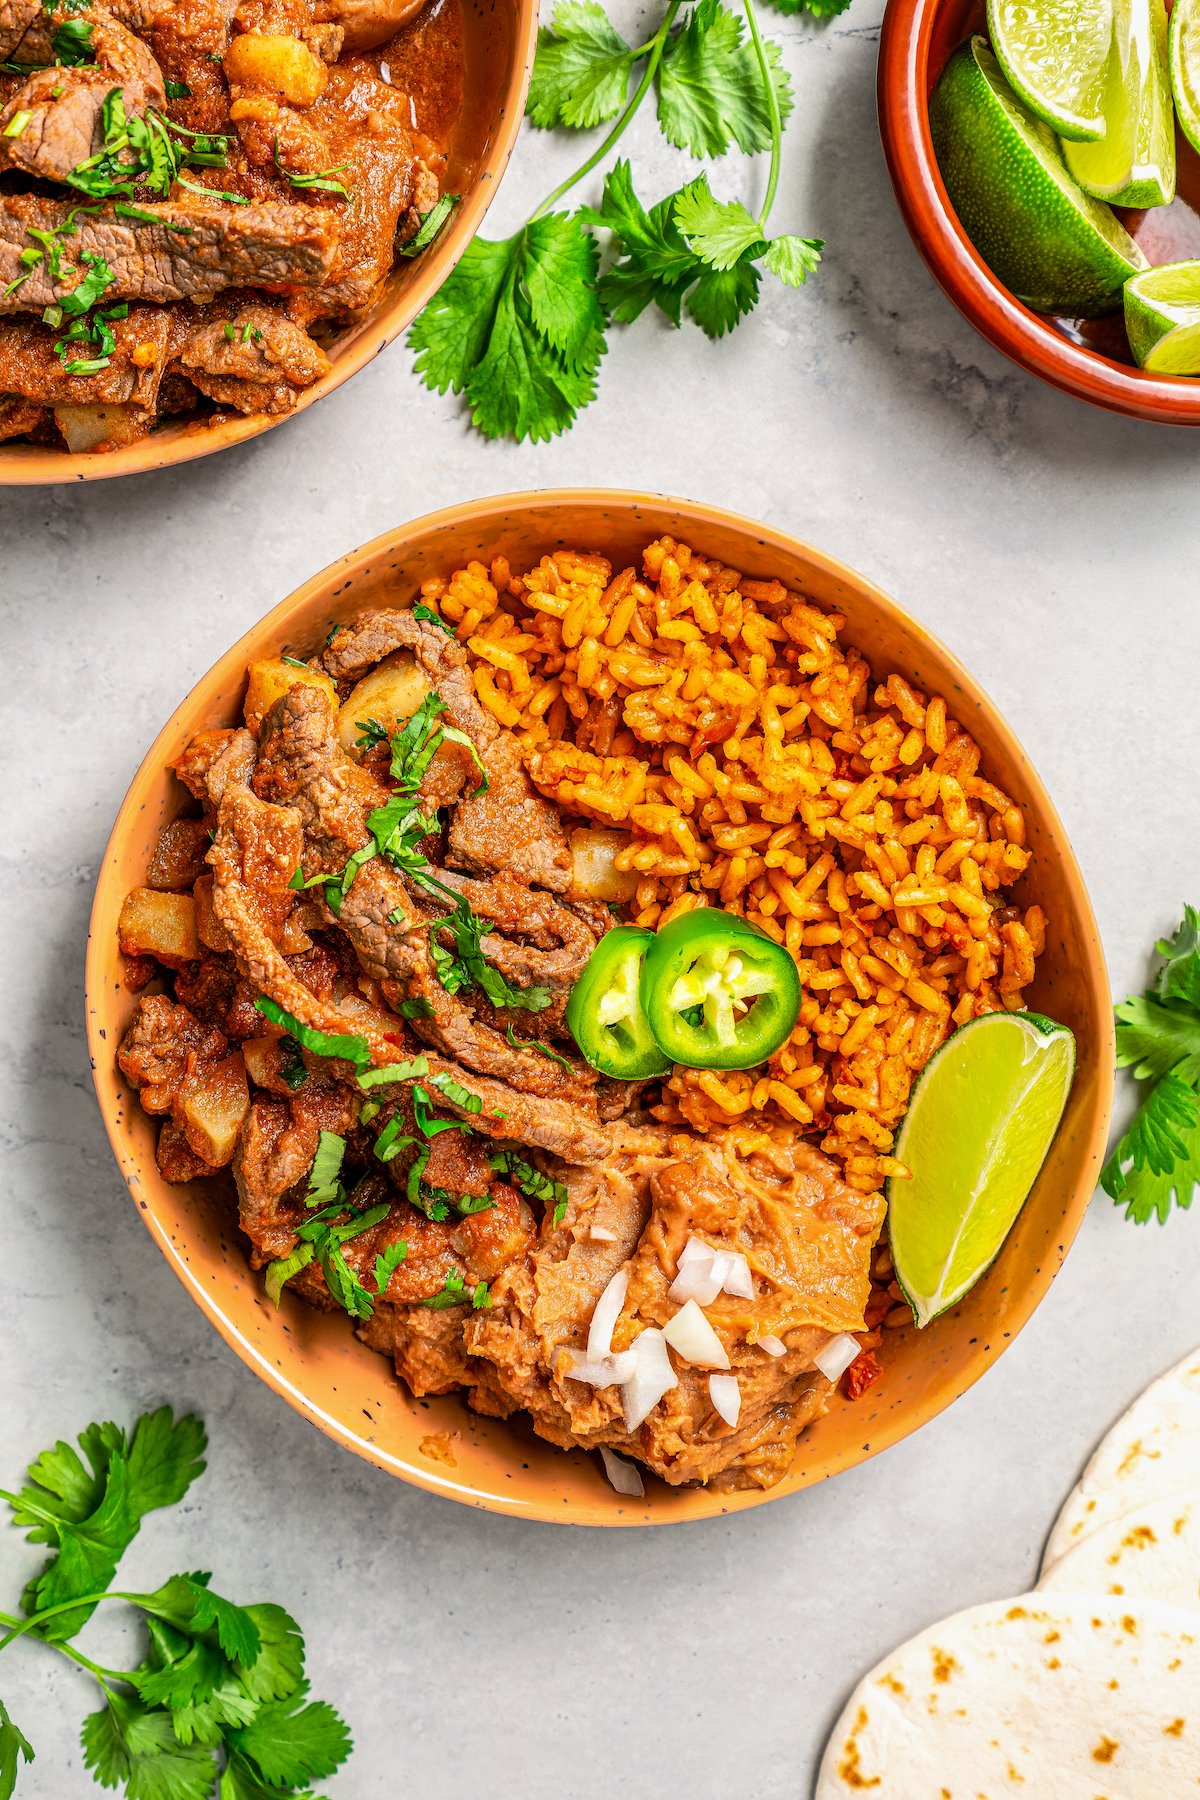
[1055, 53]
[978, 1126]
[1134, 162]
[1051, 244]
[1183, 50]
[1162, 319]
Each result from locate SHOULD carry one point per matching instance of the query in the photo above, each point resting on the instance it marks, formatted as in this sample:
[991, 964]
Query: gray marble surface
[1054, 547]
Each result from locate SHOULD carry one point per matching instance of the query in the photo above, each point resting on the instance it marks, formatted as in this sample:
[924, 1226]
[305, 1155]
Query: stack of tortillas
[1088, 1688]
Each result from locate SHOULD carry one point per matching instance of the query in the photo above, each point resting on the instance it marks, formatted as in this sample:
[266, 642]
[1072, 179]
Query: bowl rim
[229, 669]
[1024, 336]
[37, 466]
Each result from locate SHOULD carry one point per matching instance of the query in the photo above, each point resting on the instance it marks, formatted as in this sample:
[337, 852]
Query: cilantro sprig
[1157, 1161]
[519, 326]
[220, 1695]
[531, 1181]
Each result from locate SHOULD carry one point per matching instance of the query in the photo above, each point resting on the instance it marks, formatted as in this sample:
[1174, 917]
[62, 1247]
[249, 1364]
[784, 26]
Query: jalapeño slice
[604, 1014]
[719, 993]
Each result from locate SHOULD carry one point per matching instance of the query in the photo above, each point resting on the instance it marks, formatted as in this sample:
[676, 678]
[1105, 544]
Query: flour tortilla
[1150, 1554]
[1152, 1451]
[1078, 1697]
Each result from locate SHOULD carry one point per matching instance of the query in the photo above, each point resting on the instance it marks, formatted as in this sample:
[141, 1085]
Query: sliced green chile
[604, 1013]
[708, 960]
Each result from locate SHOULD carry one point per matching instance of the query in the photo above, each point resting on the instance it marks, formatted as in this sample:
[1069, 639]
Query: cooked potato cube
[264, 1063]
[390, 693]
[209, 929]
[161, 925]
[214, 1109]
[278, 65]
[594, 875]
[272, 678]
[179, 854]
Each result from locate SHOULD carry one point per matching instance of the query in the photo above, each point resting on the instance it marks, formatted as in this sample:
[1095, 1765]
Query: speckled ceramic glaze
[313, 1359]
[1087, 358]
[499, 40]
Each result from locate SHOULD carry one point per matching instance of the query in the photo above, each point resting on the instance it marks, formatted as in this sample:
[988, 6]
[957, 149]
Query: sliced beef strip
[226, 246]
[30, 365]
[301, 765]
[275, 1154]
[511, 826]
[66, 105]
[356, 647]
[18, 416]
[255, 360]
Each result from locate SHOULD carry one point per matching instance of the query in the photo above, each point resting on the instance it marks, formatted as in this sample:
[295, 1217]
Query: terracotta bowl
[313, 1359]
[1089, 358]
[499, 39]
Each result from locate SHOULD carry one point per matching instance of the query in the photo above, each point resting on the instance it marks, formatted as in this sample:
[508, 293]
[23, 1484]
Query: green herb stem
[772, 99]
[39, 1618]
[656, 46]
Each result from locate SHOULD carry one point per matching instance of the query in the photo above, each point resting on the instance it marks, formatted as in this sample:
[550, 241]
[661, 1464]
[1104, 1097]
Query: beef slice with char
[510, 826]
[217, 245]
[66, 105]
[255, 359]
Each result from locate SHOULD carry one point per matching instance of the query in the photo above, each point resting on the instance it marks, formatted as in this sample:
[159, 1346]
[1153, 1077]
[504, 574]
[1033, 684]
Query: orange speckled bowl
[1089, 358]
[313, 1359]
[499, 40]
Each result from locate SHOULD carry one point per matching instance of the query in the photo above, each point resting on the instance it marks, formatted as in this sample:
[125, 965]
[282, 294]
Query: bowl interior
[498, 48]
[1090, 358]
[313, 1359]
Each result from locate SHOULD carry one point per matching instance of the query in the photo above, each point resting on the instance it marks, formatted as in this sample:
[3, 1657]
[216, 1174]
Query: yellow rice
[758, 767]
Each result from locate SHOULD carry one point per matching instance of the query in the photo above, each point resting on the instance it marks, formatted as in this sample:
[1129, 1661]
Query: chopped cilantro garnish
[323, 178]
[457, 1293]
[404, 1071]
[431, 618]
[177, 90]
[431, 223]
[291, 1068]
[321, 1239]
[231, 334]
[351, 1047]
[520, 1043]
[531, 1181]
[420, 1008]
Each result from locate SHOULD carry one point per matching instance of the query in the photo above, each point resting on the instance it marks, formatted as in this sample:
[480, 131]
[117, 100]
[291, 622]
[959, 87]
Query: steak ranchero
[271, 152]
[515, 1226]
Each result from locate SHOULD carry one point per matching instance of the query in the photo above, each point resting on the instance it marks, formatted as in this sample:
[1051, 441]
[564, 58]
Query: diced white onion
[690, 1333]
[704, 1272]
[600, 1234]
[651, 1379]
[608, 1311]
[738, 1280]
[837, 1355]
[726, 1396]
[772, 1345]
[602, 1371]
[622, 1474]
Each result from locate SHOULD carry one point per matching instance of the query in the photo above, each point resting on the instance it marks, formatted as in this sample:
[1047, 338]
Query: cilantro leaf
[536, 1044]
[431, 224]
[1180, 980]
[204, 1721]
[131, 1743]
[506, 332]
[582, 68]
[710, 90]
[793, 259]
[719, 231]
[63, 1488]
[659, 264]
[820, 9]
[278, 1668]
[457, 1293]
[87, 1557]
[186, 1603]
[1158, 1159]
[531, 1180]
[290, 1746]
[1154, 1037]
[723, 296]
[387, 1264]
[323, 1183]
[241, 1781]
[12, 1743]
[164, 1460]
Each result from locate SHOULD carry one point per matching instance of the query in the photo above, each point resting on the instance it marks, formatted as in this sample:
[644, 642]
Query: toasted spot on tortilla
[1051, 1637]
[1054, 1663]
[1114, 1682]
[1105, 1750]
[1179, 1525]
[1016, 1612]
[942, 1664]
[1140, 1536]
[1174, 1729]
[1129, 1624]
[850, 1771]
[1013, 1774]
[1131, 1455]
[890, 1681]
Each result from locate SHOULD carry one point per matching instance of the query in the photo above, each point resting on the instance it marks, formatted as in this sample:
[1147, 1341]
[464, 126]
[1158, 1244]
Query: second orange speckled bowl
[499, 40]
[313, 1359]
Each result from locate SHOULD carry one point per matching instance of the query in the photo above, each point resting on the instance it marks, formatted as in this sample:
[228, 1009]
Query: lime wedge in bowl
[1055, 55]
[1052, 245]
[1162, 319]
[1134, 162]
[1183, 49]
[978, 1126]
